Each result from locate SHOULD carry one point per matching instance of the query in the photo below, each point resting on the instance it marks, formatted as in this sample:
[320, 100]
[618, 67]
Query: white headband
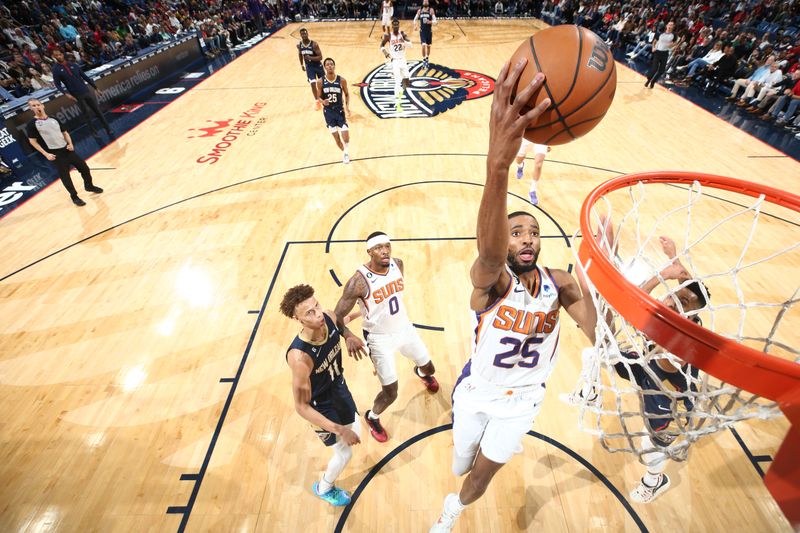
[376, 240]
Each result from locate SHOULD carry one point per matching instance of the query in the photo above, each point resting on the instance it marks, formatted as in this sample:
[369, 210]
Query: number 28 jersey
[382, 308]
[515, 341]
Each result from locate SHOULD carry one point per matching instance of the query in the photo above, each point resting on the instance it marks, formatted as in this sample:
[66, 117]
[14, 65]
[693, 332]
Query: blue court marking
[755, 460]
[425, 434]
[430, 182]
[243, 182]
[186, 510]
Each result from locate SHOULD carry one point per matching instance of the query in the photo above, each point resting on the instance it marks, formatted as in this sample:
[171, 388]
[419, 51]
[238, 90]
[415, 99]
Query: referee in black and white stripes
[48, 136]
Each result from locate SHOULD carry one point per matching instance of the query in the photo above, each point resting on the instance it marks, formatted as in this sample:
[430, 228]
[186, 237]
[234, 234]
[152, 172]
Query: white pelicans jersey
[383, 308]
[515, 340]
[397, 47]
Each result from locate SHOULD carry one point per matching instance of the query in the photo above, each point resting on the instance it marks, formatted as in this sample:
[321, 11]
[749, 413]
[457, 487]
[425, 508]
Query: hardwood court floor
[142, 352]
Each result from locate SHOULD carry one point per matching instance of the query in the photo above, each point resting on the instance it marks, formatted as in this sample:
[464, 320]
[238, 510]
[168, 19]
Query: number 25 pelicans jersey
[515, 342]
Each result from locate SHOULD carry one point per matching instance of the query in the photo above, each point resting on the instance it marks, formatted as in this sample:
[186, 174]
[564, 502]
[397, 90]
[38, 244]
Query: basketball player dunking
[397, 42]
[310, 61]
[516, 305]
[335, 100]
[378, 287]
[320, 393]
[425, 19]
[387, 11]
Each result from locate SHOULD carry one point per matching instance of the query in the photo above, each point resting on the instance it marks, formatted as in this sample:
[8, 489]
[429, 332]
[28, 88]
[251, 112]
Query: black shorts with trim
[337, 405]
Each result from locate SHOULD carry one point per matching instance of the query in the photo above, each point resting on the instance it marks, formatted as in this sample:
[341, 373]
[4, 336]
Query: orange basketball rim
[742, 366]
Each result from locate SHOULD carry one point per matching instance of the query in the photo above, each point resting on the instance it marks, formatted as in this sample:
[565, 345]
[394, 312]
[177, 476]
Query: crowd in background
[718, 41]
[91, 33]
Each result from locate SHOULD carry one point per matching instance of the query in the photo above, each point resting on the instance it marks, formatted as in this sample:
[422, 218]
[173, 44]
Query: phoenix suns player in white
[516, 305]
[393, 46]
[378, 287]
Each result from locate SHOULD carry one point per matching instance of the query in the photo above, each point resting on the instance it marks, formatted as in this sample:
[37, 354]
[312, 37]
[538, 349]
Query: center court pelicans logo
[432, 90]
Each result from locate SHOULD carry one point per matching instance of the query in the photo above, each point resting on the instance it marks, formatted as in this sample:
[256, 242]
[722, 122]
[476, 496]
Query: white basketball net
[735, 252]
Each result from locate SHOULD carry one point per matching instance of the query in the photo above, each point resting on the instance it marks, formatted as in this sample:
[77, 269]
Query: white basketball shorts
[527, 146]
[400, 69]
[382, 348]
[492, 419]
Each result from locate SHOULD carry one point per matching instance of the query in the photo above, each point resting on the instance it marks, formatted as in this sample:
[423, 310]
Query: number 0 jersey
[515, 342]
[383, 308]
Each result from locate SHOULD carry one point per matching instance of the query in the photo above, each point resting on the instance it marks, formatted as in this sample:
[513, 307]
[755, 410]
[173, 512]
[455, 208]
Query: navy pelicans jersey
[307, 50]
[424, 20]
[515, 341]
[383, 308]
[327, 358]
[332, 91]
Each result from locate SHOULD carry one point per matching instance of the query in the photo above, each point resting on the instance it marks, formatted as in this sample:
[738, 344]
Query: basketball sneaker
[646, 494]
[336, 496]
[520, 170]
[534, 198]
[575, 397]
[430, 382]
[375, 428]
[447, 519]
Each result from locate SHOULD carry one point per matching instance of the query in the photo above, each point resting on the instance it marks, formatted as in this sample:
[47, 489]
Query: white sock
[657, 462]
[418, 371]
[453, 505]
[346, 146]
[521, 164]
[533, 185]
[372, 416]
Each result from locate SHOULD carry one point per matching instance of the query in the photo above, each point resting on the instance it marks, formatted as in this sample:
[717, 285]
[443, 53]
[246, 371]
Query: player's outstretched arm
[416, 20]
[300, 56]
[506, 127]
[302, 367]
[575, 298]
[355, 288]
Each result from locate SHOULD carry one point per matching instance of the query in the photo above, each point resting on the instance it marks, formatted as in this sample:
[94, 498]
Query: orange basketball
[581, 78]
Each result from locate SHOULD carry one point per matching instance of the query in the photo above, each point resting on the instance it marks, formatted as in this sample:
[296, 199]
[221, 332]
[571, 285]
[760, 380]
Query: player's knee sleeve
[656, 460]
[462, 465]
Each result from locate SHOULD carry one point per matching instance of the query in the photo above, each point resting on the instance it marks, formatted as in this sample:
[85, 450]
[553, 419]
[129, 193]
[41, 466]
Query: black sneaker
[94, 188]
[375, 428]
[77, 201]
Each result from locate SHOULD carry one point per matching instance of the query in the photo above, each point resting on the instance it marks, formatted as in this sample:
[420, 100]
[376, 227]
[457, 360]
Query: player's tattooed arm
[355, 288]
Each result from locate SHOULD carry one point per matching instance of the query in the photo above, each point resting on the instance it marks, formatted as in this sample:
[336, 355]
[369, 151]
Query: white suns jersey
[397, 46]
[515, 341]
[383, 309]
[388, 8]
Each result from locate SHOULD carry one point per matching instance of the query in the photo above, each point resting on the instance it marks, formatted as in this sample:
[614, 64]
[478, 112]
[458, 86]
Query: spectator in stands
[764, 87]
[790, 99]
[724, 68]
[710, 58]
[756, 78]
[80, 88]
